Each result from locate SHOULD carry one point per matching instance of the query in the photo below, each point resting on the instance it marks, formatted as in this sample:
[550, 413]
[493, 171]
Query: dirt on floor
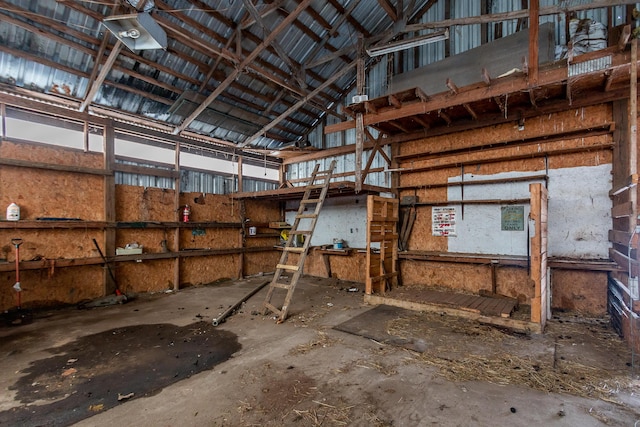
[159, 361]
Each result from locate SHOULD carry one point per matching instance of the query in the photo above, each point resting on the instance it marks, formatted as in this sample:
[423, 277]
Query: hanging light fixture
[137, 31]
[407, 44]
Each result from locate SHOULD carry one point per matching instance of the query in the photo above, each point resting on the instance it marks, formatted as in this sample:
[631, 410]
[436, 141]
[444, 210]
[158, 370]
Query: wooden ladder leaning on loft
[319, 181]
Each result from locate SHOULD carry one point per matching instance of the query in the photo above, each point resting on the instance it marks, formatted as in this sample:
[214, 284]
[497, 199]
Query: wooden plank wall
[560, 140]
[60, 264]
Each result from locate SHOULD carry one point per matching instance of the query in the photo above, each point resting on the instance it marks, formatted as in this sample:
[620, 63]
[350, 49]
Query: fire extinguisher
[186, 212]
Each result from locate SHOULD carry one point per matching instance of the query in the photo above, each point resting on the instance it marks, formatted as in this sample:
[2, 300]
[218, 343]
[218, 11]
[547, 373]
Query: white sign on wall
[443, 221]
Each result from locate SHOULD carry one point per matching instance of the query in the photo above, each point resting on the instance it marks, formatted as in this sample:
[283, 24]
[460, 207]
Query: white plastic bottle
[13, 212]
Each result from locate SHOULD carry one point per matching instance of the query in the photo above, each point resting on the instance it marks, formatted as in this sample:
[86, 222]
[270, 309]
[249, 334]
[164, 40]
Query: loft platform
[336, 189]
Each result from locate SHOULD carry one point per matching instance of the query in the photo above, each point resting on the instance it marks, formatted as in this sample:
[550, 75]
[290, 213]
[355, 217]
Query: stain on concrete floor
[97, 372]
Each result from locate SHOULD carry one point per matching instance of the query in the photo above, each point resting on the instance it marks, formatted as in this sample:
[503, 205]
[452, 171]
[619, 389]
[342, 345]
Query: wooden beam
[532, 98]
[625, 35]
[443, 100]
[421, 95]
[534, 155]
[444, 116]
[471, 111]
[232, 76]
[298, 104]
[389, 9]
[587, 132]
[109, 203]
[633, 131]
[360, 136]
[394, 101]
[18, 163]
[398, 126]
[452, 86]
[485, 76]
[534, 31]
[507, 16]
[422, 122]
[370, 107]
[144, 170]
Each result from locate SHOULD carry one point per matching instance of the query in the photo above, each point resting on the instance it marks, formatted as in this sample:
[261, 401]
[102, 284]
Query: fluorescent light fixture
[407, 44]
[138, 31]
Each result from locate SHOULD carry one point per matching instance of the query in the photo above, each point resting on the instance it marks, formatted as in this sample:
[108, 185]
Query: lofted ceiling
[243, 73]
[259, 75]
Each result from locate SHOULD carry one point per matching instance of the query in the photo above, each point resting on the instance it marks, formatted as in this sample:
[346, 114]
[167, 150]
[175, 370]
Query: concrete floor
[305, 372]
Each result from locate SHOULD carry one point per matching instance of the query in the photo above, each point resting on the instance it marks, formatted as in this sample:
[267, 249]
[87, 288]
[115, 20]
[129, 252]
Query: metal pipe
[231, 309]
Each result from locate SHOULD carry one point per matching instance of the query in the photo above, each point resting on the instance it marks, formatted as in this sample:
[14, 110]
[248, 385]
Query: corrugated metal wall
[193, 181]
[462, 38]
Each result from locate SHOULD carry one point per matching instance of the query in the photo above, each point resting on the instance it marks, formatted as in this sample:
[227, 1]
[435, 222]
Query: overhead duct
[138, 31]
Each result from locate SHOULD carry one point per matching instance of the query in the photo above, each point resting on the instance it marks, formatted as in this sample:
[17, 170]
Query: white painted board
[579, 214]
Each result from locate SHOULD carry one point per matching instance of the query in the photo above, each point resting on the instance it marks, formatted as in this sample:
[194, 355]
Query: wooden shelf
[77, 262]
[98, 225]
[507, 260]
[264, 235]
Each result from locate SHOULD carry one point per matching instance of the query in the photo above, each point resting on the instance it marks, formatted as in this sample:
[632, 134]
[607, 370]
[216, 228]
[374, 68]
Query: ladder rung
[310, 201]
[281, 285]
[307, 216]
[300, 232]
[288, 267]
[272, 308]
[293, 249]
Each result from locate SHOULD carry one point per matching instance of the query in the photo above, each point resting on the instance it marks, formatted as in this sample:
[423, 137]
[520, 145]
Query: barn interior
[321, 188]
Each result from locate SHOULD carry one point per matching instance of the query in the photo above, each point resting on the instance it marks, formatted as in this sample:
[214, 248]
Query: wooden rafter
[499, 88]
[506, 16]
[223, 86]
[389, 8]
[95, 85]
[471, 111]
[297, 105]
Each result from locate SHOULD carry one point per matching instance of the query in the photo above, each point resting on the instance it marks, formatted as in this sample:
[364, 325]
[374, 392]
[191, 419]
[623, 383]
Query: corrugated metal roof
[58, 58]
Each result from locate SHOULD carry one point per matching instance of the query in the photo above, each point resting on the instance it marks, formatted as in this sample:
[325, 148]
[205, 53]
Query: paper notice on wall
[443, 221]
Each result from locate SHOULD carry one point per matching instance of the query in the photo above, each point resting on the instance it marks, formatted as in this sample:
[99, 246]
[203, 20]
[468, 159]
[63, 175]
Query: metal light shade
[407, 44]
[137, 31]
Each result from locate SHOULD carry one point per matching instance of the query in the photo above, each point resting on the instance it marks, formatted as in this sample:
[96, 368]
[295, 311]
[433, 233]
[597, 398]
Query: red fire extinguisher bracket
[186, 213]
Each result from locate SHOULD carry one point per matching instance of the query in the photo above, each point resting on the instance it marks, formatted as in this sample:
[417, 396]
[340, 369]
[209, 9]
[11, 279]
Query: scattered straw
[322, 341]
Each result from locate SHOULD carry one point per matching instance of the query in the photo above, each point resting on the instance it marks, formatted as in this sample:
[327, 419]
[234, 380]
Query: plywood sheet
[463, 277]
[584, 292]
[45, 288]
[535, 127]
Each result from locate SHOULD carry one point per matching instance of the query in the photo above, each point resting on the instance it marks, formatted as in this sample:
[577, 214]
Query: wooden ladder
[317, 181]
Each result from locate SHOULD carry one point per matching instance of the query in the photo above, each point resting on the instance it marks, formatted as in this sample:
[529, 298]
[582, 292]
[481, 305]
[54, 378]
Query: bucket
[338, 243]
[13, 212]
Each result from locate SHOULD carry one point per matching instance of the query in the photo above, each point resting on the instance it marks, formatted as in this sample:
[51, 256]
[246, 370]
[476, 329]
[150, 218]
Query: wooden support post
[243, 237]
[633, 130]
[3, 113]
[534, 31]
[109, 204]
[178, 216]
[85, 134]
[359, 116]
[240, 184]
